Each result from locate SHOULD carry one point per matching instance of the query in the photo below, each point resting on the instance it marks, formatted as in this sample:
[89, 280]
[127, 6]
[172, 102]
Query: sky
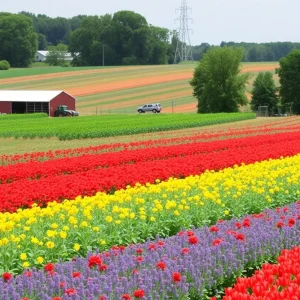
[214, 21]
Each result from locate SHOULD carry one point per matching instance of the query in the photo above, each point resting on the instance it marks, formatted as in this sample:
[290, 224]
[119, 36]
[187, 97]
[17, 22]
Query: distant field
[118, 90]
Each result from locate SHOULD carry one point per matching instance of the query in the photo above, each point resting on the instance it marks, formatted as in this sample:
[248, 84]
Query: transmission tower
[183, 49]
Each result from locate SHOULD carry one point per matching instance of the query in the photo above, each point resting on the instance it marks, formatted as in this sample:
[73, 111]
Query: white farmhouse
[41, 56]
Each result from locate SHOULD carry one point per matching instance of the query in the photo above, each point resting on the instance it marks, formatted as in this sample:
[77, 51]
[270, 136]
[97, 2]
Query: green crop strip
[105, 126]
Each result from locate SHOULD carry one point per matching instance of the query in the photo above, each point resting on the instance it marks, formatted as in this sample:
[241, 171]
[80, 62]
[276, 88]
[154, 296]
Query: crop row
[278, 281]
[103, 126]
[24, 192]
[155, 155]
[63, 230]
[203, 137]
[194, 263]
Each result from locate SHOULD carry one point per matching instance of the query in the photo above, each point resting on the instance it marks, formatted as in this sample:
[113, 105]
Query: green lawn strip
[113, 125]
[42, 70]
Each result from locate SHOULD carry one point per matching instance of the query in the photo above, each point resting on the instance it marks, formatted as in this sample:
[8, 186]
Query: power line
[183, 48]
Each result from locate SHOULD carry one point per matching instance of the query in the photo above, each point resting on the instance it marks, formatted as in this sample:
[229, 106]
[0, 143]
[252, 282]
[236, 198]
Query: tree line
[252, 52]
[220, 86]
[125, 37]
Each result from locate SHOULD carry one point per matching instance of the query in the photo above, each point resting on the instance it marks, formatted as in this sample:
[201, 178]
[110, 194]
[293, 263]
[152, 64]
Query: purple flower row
[192, 262]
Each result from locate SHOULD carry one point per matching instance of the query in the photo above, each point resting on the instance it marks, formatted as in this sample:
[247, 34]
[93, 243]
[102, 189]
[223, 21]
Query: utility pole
[183, 49]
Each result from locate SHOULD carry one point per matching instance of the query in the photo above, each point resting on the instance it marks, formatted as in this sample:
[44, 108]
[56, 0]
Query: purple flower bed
[192, 263]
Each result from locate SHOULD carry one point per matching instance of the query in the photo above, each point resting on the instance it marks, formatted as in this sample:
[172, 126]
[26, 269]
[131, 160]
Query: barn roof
[28, 96]
[45, 53]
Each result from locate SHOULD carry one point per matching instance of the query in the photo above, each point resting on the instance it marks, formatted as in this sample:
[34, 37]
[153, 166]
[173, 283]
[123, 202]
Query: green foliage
[126, 37]
[4, 65]
[18, 40]
[37, 125]
[289, 78]
[57, 55]
[264, 92]
[217, 82]
[42, 42]
[254, 52]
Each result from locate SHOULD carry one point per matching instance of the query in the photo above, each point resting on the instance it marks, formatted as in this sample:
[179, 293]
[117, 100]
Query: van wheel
[140, 111]
[154, 111]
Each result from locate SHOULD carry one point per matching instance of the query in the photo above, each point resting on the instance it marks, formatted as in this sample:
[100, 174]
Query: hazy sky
[213, 20]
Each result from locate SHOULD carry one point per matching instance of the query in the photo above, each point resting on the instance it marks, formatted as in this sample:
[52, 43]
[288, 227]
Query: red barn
[21, 102]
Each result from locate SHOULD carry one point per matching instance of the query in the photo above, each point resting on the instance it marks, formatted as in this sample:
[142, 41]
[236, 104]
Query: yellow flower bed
[34, 236]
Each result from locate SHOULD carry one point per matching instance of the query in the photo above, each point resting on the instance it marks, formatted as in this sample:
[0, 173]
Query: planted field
[119, 90]
[40, 126]
[179, 217]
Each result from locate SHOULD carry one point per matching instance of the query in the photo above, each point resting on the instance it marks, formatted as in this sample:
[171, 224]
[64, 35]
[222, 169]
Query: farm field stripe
[134, 92]
[79, 72]
[125, 84]
[91, 79]
[24, 193]
[142, 212]
[194, 137]
[165, 93]
[37, 170]
[138, 101]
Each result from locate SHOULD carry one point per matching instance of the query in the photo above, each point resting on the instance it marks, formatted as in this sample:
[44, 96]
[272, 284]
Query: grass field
[120, 90]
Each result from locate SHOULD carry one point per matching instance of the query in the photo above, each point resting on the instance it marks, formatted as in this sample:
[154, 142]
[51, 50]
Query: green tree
[42, 42]
[264, 92]
[217, 82]
[57, 55]
[18, 40]
[289, 78]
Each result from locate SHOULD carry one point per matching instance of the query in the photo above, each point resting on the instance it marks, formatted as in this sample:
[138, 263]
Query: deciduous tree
[218, 83]
[264, 92]
[289, 78]
[18, 40]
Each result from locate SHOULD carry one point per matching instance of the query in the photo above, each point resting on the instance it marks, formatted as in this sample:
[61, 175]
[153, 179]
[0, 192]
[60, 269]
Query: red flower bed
[37, 170]
[281, 281]
[24, 192]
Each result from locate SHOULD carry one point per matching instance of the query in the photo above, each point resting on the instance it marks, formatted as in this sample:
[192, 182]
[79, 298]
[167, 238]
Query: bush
[4, 65]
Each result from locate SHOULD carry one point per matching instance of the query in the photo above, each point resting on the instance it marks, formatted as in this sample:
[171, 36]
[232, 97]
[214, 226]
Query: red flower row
[37, 170]
[23, 193]
[52, 155]
[281, 281]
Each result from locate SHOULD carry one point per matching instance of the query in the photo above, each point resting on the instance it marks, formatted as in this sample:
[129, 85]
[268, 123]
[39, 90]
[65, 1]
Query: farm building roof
[28, 96]
[45, 53]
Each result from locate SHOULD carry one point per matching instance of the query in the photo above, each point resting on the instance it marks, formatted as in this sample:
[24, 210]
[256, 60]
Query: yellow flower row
[133, 214]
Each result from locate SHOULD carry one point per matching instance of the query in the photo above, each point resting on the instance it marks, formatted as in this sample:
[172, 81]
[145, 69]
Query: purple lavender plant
[192, 262]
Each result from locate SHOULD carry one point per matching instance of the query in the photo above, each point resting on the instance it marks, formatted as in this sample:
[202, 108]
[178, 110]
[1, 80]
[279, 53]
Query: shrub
[4, 65]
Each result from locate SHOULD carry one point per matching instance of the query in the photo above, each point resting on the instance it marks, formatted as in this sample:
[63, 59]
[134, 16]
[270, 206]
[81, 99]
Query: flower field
[178, 218]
